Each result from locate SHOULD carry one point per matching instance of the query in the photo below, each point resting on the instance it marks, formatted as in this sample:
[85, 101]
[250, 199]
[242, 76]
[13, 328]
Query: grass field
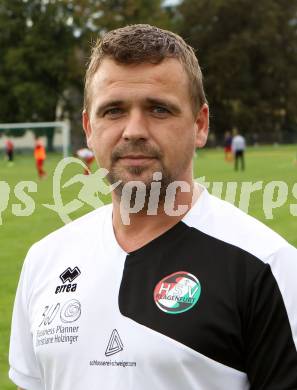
[17, 233]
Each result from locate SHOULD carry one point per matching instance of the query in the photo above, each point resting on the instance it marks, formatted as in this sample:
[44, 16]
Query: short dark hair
[143, 43]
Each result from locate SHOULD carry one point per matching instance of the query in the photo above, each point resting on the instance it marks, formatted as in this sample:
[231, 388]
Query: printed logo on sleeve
[177, 293]
[68, 276]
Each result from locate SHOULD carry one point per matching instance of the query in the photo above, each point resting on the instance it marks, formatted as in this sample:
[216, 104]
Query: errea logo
[68, 276]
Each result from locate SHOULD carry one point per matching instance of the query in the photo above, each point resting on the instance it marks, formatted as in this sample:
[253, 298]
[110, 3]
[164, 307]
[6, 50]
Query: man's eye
[160, 110]
[113, 112]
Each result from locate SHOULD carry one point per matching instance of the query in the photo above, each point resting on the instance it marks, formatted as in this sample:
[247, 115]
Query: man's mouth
[136, 159]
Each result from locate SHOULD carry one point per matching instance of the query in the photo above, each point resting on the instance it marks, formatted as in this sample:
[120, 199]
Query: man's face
[140, 121]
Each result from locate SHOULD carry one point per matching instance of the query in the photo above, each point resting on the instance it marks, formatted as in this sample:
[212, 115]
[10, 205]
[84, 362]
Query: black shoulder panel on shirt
[239, 319]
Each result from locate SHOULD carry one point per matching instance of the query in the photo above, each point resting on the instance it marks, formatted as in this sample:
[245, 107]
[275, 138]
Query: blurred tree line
[247, 50]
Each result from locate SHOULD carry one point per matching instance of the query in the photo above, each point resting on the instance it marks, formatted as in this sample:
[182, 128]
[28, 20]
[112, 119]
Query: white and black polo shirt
[210, 304]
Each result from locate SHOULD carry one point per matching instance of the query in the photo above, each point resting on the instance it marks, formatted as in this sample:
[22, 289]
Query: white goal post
[63, 125]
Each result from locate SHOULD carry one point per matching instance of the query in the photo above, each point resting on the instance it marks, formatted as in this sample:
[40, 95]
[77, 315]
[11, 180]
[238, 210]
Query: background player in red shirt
[40, 156]
[9, 149]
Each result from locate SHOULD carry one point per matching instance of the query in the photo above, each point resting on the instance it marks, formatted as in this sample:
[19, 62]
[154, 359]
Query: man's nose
[136, 126]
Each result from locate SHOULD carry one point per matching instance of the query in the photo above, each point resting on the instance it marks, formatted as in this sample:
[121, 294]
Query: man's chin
[142, 178]
[137, 173]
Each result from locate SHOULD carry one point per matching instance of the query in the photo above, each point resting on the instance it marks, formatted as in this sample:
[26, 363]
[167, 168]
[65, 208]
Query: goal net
[23, 135]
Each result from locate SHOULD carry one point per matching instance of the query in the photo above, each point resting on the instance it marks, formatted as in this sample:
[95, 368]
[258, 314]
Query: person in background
[238, 149]
[9, 150]
[88, 157]
[40, 156]
[228, 146]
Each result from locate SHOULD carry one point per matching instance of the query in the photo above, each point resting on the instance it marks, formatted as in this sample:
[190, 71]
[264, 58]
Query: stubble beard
[143, 174]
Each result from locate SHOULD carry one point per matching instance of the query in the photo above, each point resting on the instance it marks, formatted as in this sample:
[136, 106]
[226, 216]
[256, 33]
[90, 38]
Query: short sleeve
[271, 356]
[23, 371]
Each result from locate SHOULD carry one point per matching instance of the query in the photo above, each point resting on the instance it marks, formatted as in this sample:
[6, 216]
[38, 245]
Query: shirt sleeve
[24, 370]
[271, 332]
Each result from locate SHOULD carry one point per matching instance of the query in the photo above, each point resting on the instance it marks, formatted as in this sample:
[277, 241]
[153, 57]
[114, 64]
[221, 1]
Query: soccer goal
[62, 139]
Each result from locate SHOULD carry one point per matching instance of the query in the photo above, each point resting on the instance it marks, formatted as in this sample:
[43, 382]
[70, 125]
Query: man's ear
[202, 123]
[87, 128]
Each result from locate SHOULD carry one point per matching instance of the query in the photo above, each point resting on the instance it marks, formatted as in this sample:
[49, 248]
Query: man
[175, 299]
[39, 156]
[228, 146]
[9, 150]
[88, 157]
[238, 148]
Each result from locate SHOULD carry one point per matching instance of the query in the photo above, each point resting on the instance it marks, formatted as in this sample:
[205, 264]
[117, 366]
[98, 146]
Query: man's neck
[143, 228]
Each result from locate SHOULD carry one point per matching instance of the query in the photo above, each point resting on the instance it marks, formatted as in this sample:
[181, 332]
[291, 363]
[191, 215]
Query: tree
[248, 51]
[37, 48]
[44, 49]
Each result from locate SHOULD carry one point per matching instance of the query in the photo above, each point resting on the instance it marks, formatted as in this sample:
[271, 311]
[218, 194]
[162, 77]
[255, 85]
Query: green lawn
[17, 233]
[265, 164]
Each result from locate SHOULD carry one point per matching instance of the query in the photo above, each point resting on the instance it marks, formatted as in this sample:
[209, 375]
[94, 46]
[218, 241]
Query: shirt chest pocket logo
[177, 292]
